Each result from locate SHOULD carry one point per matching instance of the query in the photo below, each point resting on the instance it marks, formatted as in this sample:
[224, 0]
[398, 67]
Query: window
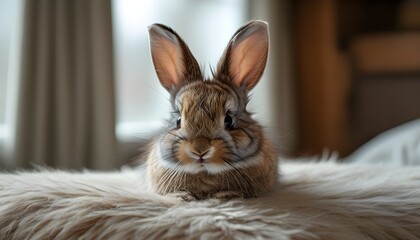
[10, 20]
[141, 101]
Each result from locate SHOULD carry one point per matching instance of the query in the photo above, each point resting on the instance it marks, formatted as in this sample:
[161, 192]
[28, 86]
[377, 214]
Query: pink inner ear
[167, 60]
[248, 58]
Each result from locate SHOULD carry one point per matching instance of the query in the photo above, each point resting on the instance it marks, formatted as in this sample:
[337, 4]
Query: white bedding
[399, 146]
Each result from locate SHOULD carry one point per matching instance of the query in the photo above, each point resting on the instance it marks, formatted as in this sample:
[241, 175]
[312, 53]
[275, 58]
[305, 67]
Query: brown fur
[202, 157]
[248, 182]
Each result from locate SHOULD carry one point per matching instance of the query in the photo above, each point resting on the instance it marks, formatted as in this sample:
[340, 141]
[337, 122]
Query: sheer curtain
[66, 112]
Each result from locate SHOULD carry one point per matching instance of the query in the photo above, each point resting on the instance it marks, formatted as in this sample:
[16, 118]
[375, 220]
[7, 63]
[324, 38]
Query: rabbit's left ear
[245, 57]
[174, 63]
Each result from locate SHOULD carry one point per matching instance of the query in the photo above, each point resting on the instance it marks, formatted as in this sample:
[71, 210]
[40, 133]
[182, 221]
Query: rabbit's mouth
[205, 167]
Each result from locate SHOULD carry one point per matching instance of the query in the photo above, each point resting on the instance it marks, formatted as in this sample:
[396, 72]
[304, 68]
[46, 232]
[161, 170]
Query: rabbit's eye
[178, 122]
[228, 122]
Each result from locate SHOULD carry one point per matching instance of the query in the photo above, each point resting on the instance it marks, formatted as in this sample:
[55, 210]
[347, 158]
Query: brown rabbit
[212, 148]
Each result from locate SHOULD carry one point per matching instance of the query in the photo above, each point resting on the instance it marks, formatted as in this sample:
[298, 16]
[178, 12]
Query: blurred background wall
[78, 90]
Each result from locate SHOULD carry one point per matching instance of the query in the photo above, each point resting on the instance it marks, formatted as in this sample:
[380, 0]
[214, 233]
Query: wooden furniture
[358, 71]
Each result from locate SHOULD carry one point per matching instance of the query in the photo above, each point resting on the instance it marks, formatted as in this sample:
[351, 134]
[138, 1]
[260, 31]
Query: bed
[370, 196]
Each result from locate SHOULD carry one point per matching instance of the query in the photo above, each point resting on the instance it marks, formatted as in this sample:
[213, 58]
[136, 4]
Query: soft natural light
[6, 14]
[206, 26]
[10, 36]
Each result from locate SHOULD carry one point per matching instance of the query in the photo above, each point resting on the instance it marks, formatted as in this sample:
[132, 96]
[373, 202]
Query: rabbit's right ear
[245, 57]
[173, 61]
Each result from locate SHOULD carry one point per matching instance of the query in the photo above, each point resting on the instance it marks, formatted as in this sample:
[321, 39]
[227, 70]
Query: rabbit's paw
[226, 195]
[183, 195]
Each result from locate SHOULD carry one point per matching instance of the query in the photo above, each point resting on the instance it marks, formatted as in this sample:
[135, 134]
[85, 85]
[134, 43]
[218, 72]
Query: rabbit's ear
[245, 57]
[173, 61]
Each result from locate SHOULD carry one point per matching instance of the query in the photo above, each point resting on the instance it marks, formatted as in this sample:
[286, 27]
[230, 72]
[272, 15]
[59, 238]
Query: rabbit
[212, 147]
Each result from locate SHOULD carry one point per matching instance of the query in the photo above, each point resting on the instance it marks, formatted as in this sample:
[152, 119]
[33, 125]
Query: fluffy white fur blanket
[314, 201]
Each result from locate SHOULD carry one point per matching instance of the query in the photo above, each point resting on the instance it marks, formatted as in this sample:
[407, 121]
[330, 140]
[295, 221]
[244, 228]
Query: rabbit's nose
[200, 146]
[202, 157]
